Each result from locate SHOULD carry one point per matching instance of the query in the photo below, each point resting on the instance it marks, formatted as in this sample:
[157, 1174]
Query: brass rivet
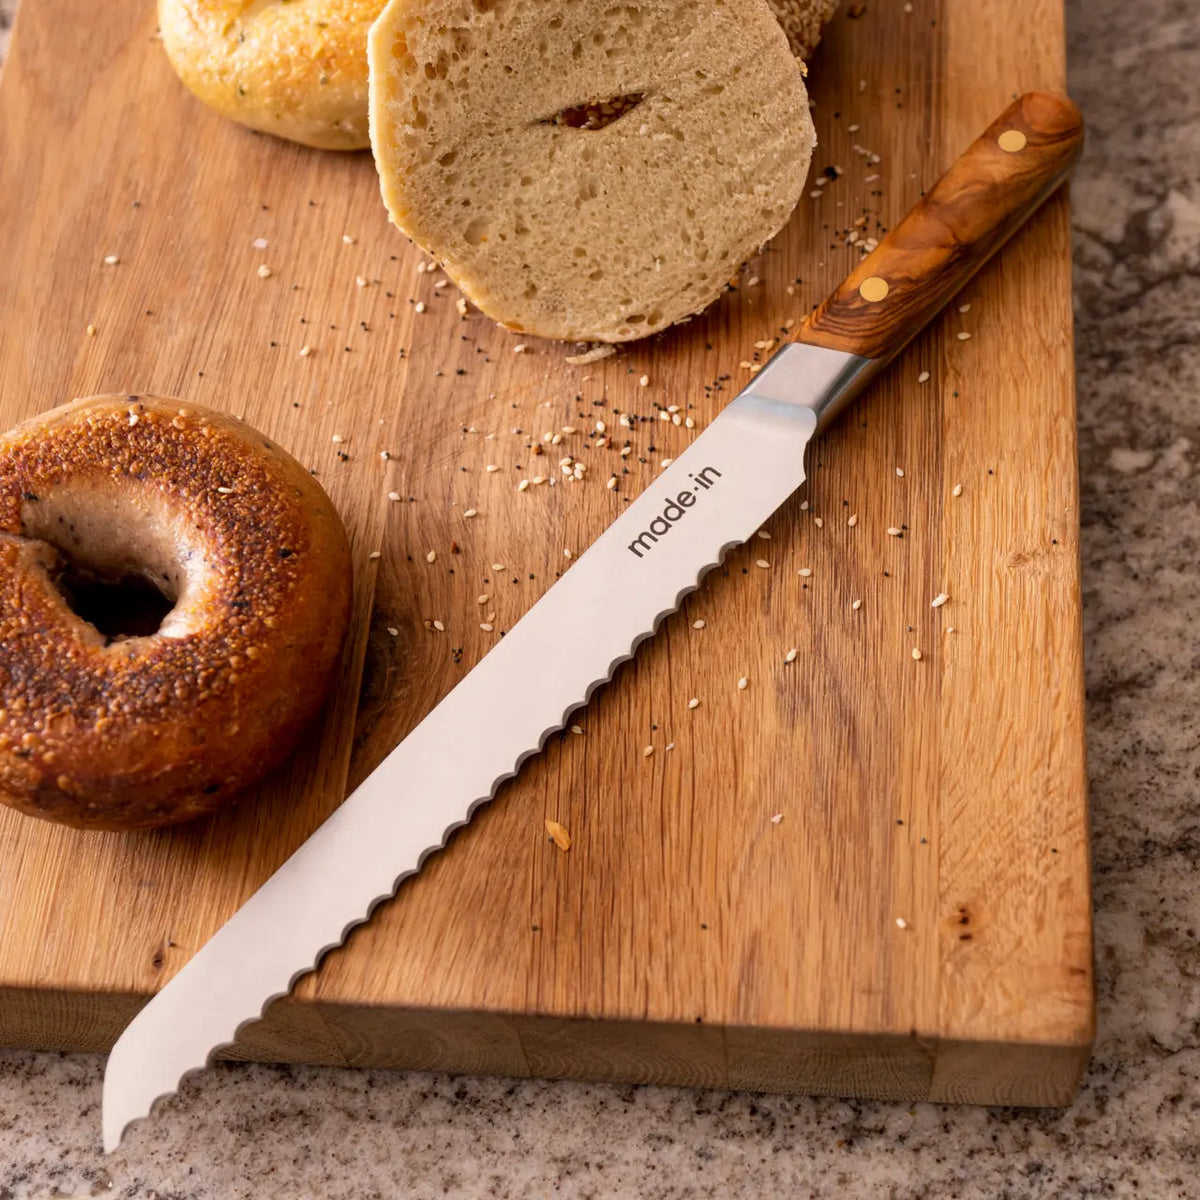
[1012, 140]
[873, 288]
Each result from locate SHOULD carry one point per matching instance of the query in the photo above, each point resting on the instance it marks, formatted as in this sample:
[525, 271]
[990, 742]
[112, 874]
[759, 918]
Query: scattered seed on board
[393, 631]
[337, 439]
[347, 240]
[856, 605]
[461, 305]
[964, 336]
[612, 483]
[305, 351]
[471, 512]
[644, 381]
[743, 684]
[439, 627]
[819, 522]
[520, 348]
[375, 554]
[264, 272]
[892, 531]
[577, 730]
[482, 599]
[485, 626]
[901, 923]
[852, 520]
[939, 600]
[899, 472]
[923, 377]
[666, 462]
[693, 703]
[805, 572]
[916, 654]
[491, 467]
[431, 557]
[762, 562]
[567, 553]
[776, 818]
[698, 624]
[225, 491]
[393, 496]
[499, 566]
[958, 490]
[649, 750]
[558, 835]
[964, 308]
[762, 533]
[790, 656]
[419, 306]
[523, 486]
[111, 260]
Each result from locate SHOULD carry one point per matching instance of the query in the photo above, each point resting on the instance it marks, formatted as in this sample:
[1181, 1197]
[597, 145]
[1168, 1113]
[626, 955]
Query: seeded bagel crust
[583, 170]
[294, 68]
[802, 21]
[144, 731]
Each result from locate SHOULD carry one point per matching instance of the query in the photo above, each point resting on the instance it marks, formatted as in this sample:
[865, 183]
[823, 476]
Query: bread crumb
[595, 354]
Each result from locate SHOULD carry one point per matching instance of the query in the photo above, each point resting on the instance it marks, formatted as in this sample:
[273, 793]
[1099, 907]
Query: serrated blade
[713, 497]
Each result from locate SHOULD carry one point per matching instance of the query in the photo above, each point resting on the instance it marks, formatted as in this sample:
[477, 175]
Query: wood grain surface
[916, 923]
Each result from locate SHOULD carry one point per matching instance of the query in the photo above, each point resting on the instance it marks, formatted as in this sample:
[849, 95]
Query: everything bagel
[127, 730]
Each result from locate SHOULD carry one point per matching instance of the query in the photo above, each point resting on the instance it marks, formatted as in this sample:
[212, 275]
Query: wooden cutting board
[863, 873]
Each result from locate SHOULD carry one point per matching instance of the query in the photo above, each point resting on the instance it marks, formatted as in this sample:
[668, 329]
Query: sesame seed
[359, 281]
[852, 520]
[805, 571]
[568, 429]
[384, 455]
[663, 415]
[337, 439]
[670, 746]
[439, 627]
[393, 631]
[577, 730]
[644, 381]
[666, 462]
[964, 308]
[762, 562]
[91, 331]
[498, 566]
[892, 531]
[649, 750]
[520, 348]
[790, 656]
[482, 599]
[949, 628]
[420, 306]
[901, 923]
[698, 624]
[856, 605]
[461, 305]
[567, 553]
[601, 427]
[743, 684]
[923, 377]
[939, 600]
[347, 240]
[441, 283]
[958, 490]
[626, 451]
[486, 626]
[375, 554]
[264, 272]
[753, 281]
[111, 260]
[431, 557]
[612, 483]
[305, 351]
[539, 479]
[762, 533]
[523, 486]
[393, 496]
[491, 467]
[471, 512]
[804, 506]
[693, 703]
[963, 336]
[776, 818]
[688, 423]
[225, 491]
[820, 522]
[916, 654]
[899, 472]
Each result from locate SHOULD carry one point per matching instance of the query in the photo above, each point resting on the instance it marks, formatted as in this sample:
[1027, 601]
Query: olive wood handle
[967, 216]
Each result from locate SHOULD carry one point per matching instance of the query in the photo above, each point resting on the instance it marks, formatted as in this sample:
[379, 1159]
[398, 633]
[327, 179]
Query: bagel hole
[119, 606]
[596, 114]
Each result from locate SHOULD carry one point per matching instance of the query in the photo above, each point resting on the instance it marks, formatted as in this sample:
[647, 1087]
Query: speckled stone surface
[1135, 1128]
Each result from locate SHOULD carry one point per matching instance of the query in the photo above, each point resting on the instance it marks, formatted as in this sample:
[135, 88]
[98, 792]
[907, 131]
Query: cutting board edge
[877, 1066]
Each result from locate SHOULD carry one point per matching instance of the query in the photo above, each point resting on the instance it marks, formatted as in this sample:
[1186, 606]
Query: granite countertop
[254, 1131]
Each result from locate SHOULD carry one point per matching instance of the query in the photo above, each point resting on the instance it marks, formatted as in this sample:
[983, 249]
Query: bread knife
[712, 498]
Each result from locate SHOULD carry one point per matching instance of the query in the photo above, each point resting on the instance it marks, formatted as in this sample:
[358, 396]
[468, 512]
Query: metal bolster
[811, 377]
